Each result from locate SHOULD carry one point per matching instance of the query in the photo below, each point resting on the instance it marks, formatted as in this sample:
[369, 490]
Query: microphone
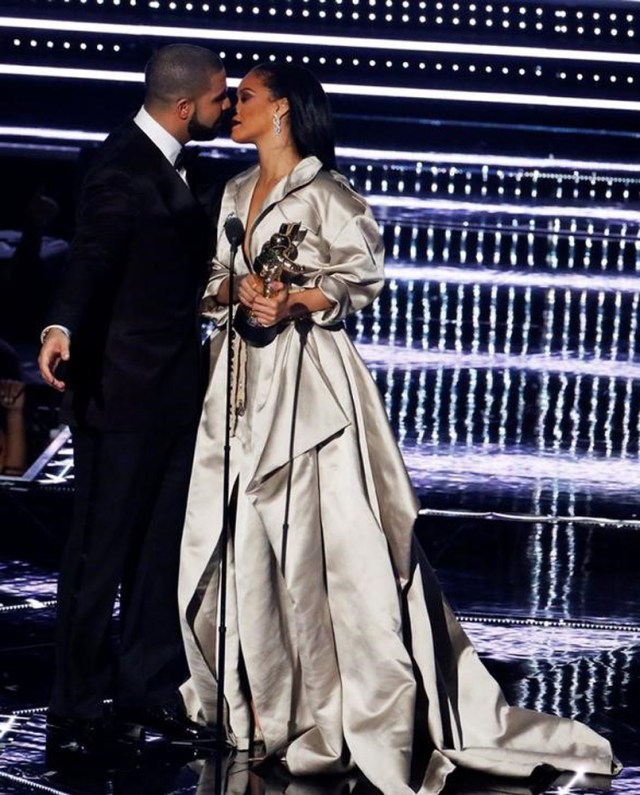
[234, 230]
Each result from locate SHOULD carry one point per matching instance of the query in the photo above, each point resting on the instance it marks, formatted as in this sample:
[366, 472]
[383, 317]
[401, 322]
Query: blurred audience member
[30, 265]
[13, 440]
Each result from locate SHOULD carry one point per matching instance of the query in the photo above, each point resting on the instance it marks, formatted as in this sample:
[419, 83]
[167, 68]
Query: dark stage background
[497, 144]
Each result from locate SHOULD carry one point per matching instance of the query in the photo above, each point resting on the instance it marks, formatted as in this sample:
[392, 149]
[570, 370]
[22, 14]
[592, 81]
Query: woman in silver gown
[339, 640]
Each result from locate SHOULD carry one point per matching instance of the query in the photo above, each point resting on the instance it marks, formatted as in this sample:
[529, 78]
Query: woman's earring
[277, 124]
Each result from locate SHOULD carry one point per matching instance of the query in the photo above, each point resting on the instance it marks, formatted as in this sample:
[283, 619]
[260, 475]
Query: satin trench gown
[352, 655]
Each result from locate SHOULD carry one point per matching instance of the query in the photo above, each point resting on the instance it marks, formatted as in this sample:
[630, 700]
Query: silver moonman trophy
[274, 263]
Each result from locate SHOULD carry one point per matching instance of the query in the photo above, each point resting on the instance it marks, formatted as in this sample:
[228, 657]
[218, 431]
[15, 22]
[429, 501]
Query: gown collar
[304, 172]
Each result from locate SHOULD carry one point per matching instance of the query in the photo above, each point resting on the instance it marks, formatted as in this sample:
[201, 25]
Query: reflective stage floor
[551, 609]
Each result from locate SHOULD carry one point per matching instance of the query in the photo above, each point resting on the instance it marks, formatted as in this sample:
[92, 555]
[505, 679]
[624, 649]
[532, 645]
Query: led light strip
[27, 712]
[40, 148]
[403, 357]
[546, 211]
[353, 44]
[528, 518]
[53, 135]
[559, 623]
[544, 280]
[494, 97]
[33, 605]
[360, 153]
[391, 92]
[24, 70]
[30, 784]
[467, 159]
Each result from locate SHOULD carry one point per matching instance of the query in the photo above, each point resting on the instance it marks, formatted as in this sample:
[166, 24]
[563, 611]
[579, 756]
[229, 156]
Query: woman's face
[253, 116]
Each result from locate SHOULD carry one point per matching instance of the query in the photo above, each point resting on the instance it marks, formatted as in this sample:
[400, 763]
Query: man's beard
[201, 132]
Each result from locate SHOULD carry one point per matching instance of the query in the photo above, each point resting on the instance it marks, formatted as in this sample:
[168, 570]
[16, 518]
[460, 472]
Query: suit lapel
[174, 190]
[191, 221]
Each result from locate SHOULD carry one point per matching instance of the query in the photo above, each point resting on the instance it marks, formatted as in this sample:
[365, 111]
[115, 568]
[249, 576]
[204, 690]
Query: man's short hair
[179, 70]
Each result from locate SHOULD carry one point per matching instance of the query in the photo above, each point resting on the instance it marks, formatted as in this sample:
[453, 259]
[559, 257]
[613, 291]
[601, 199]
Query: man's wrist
[48, 329]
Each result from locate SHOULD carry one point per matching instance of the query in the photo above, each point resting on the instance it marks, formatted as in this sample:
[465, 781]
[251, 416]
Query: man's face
[208, 110]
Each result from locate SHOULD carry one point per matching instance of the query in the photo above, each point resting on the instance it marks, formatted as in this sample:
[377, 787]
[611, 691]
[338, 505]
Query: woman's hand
[274, 309]
[249, 289]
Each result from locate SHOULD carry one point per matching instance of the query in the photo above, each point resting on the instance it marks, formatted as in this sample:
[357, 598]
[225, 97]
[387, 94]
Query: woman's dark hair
[310, 118]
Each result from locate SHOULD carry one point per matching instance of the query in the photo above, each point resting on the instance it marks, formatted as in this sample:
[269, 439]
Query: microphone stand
[234, 231]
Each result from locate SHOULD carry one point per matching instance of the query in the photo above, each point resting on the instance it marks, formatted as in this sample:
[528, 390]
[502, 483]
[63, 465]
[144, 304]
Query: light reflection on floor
[416, 357]
[555, 645]
[588, 673]
[22, 772]
[430, 465]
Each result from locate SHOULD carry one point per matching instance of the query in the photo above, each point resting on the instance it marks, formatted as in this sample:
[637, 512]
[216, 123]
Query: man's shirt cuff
[47, 329]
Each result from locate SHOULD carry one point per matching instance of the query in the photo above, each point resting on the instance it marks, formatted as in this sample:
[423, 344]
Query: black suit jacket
[137, 265]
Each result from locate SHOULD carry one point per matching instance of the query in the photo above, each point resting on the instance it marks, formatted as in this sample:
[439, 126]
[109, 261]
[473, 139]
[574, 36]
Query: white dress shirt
[165, 142]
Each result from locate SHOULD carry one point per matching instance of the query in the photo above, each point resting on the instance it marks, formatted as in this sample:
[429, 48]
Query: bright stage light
[366, 154]
[577, 779]
[308, 40]
[376, 91]
[65, 72]
[504, 208]
[539, 280]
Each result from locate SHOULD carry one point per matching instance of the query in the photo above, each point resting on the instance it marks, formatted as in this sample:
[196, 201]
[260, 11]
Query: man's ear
[183, 108]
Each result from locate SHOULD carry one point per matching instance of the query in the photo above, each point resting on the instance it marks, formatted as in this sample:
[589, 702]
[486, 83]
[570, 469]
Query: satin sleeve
[218, 273]
[354, 275]
[209, 306]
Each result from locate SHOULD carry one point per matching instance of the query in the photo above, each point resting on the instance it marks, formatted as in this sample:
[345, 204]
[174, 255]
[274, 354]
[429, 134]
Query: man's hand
[55, 349]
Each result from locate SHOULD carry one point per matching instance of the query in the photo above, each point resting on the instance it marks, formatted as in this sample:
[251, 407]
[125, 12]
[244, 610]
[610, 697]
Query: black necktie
[181, 160]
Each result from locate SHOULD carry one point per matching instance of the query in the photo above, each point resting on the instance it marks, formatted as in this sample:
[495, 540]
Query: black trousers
[131, 491]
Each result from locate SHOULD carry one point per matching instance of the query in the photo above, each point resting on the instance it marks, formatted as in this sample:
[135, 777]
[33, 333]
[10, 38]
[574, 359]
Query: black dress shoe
[77, 740]
[171, 721]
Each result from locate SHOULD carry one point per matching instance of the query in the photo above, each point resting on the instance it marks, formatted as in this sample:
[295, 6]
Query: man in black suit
[126, 324]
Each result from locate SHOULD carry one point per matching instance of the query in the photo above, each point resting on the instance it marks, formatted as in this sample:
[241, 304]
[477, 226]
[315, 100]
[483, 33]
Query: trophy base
[251, 332]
